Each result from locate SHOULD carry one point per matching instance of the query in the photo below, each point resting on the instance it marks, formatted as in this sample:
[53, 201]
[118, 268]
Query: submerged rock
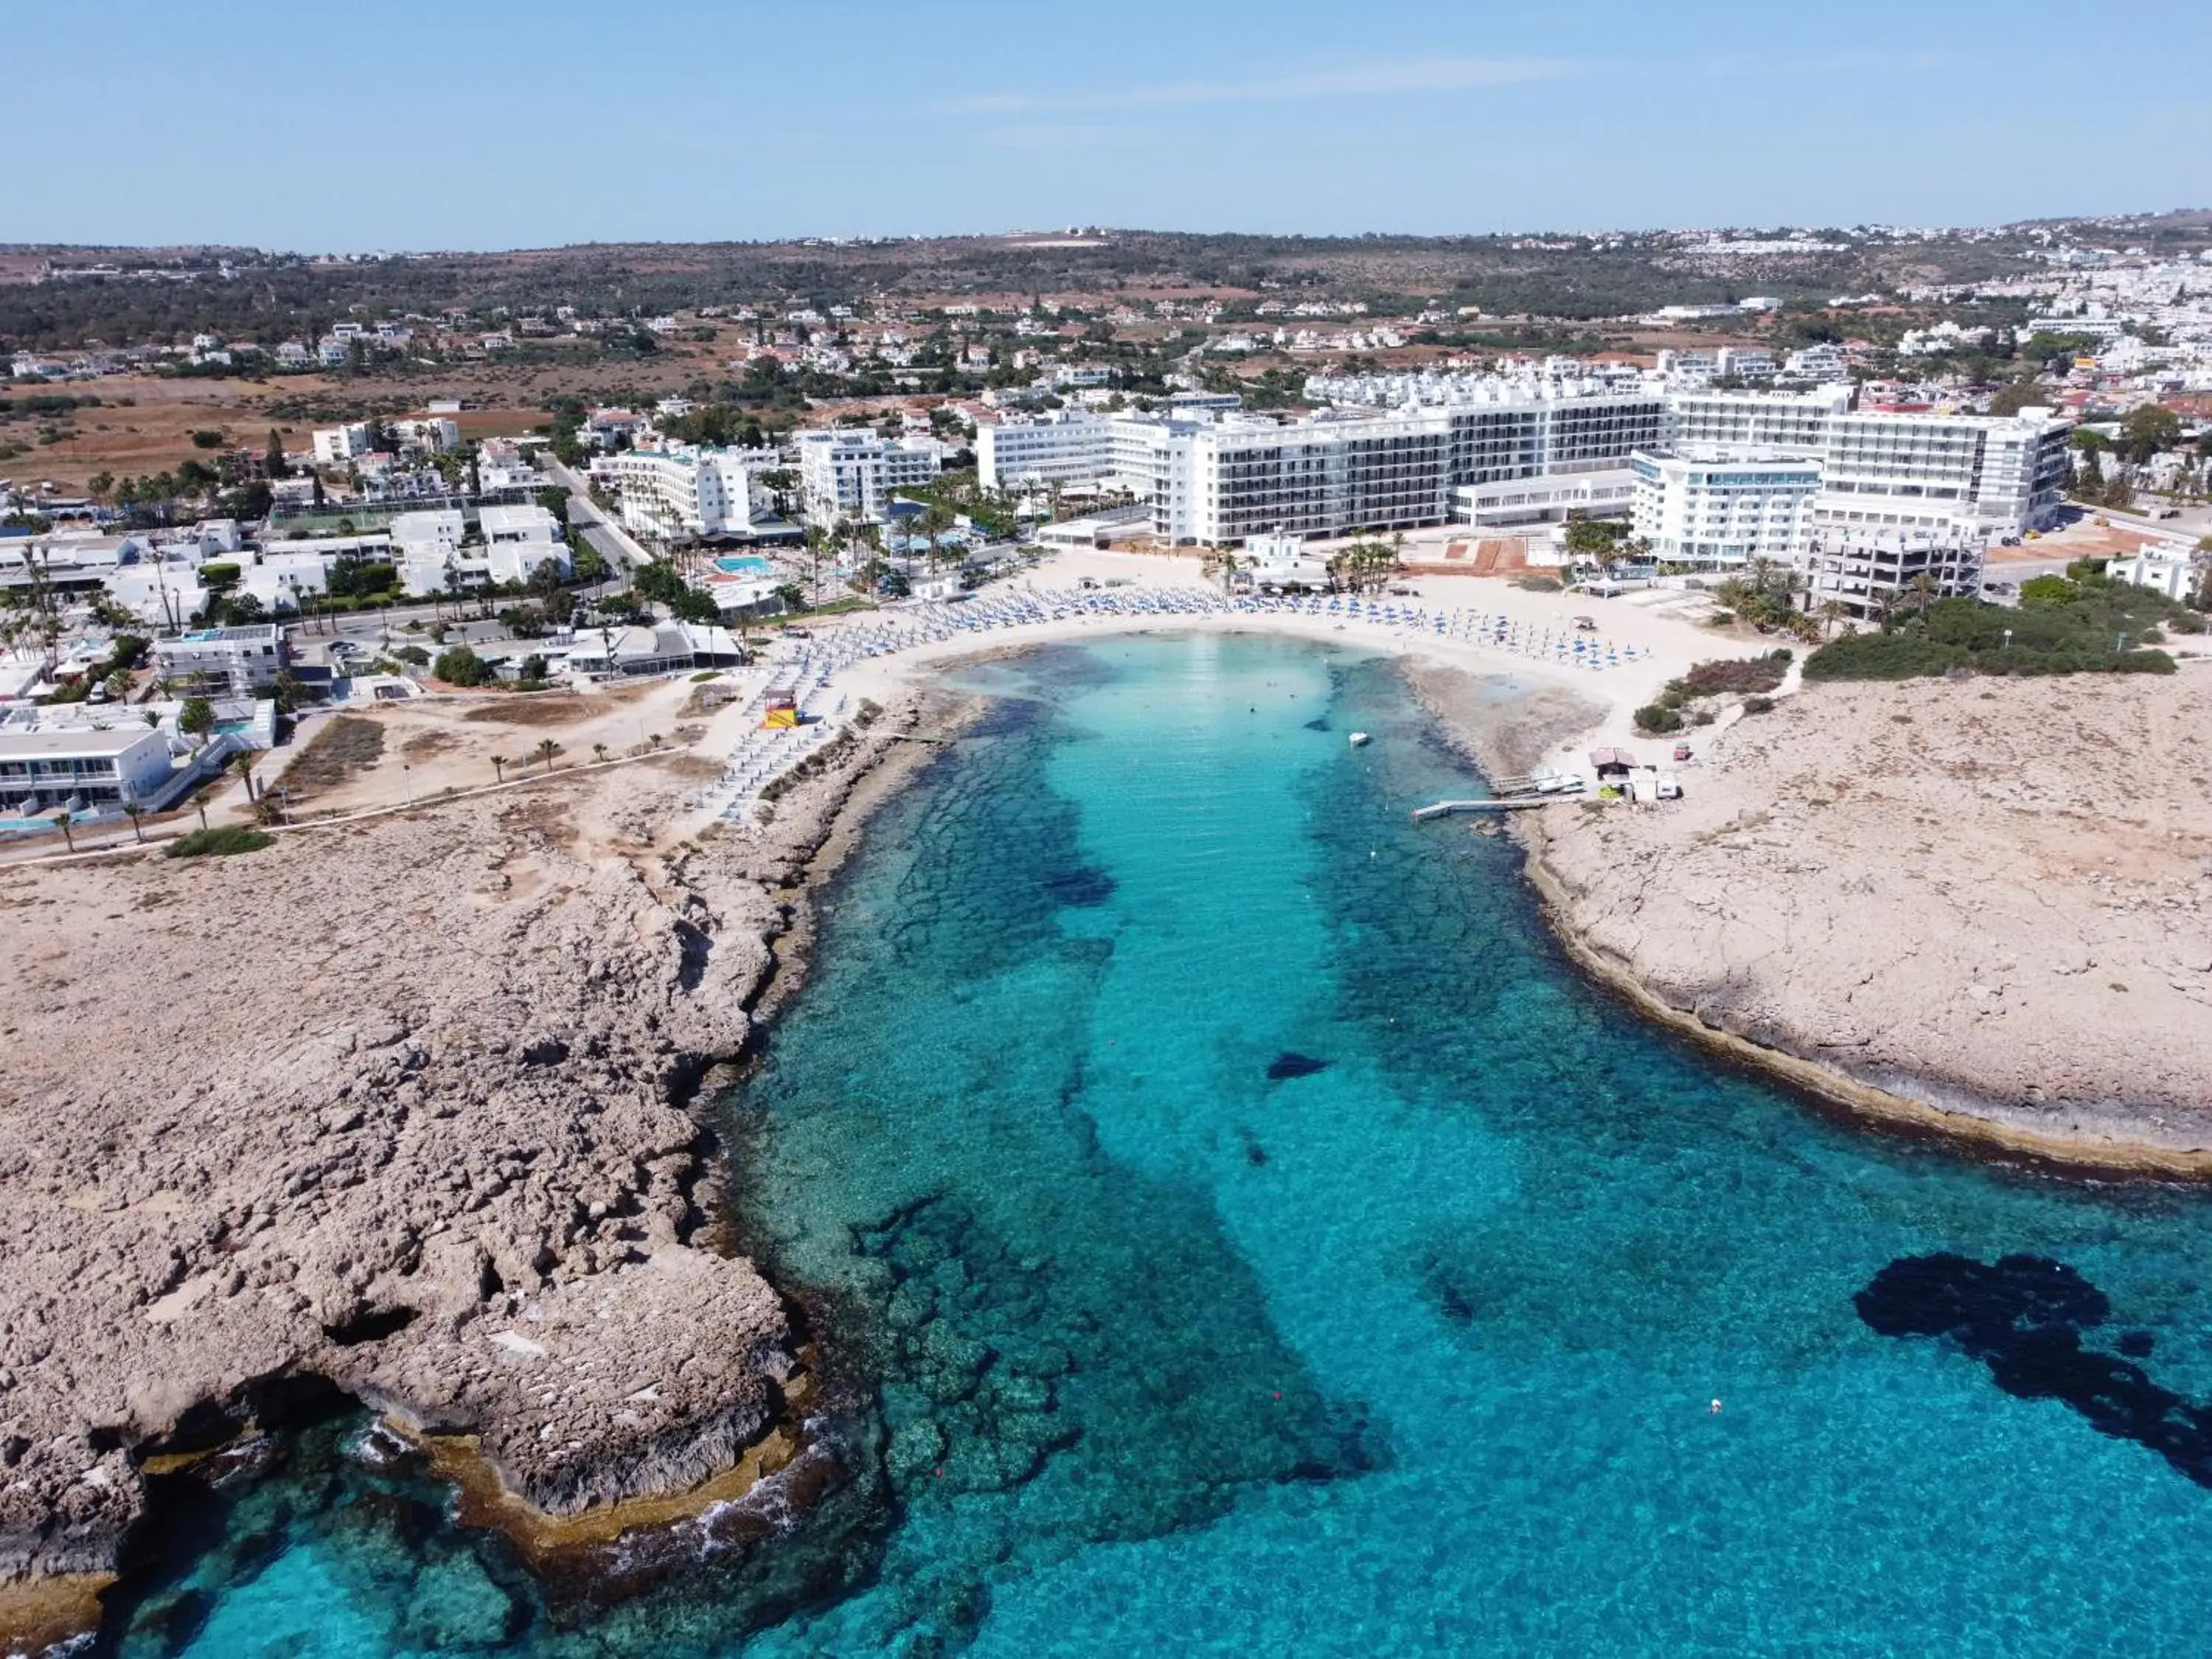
[2024, 1318]
[1290, 1063]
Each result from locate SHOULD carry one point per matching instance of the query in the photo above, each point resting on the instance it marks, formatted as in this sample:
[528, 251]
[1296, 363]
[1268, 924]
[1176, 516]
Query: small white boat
[1359, 739]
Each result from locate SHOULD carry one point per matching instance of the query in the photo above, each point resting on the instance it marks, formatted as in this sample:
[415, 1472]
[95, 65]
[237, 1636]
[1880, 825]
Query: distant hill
[57, 297]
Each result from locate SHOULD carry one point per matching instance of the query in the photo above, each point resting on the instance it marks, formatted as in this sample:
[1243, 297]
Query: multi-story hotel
[850, 472]
[1700, 506]
[681, 492]
[1064, 446]
[1901, 470]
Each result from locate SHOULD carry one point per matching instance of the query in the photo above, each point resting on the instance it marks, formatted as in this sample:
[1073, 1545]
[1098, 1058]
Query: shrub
[1758, 705]
[222, 841]
[1656, 718]
[2185, 621]
[1734, 676]
[2073, 635]
[460, 665]
[413, 653]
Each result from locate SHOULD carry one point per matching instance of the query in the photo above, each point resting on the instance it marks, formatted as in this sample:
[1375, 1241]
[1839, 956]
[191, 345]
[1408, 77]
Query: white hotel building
[1492, 452]
[852, 473]
[1225, 480]
[682, 492]
[1896, 470]
[1701, 506]
[1064, 446]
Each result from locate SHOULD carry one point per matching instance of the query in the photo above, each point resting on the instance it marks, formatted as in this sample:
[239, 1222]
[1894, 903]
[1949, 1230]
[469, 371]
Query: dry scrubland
[153, 431]
[1992, 896]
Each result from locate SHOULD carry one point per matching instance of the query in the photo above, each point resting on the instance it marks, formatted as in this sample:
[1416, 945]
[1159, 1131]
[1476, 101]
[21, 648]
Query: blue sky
[492, 124]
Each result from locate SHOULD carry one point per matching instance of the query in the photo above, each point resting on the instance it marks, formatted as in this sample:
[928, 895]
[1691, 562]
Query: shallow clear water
[1410, 1352]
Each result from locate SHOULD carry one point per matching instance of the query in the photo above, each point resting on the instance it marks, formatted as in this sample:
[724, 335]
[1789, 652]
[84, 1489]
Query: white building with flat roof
[1062, 447]
[334, 446]
[1701, 507]
[1895, 469]
[80, 770]
[223, 661]
[681, 492]
[519, 542]
[850, 472]
[1507, 501]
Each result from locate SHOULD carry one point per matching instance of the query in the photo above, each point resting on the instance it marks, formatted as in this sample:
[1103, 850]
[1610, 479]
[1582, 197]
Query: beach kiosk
[782, 714]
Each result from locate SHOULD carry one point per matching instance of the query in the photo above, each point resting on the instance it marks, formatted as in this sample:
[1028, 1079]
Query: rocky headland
[1982, 907]
[395, 1107]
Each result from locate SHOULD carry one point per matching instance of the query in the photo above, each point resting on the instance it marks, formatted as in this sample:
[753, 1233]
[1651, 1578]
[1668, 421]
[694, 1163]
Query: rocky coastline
[397, 1111]
[1981, 911]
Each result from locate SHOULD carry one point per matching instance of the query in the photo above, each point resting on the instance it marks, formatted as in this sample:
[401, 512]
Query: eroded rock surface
[1991, 896]
[391, 1105]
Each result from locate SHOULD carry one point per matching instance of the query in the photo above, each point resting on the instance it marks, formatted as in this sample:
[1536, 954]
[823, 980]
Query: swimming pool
[743, 564]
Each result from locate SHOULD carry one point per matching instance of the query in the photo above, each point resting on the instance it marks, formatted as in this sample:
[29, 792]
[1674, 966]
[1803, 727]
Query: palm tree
[243, 765]
[1832, 612]
[545, 749]
[134, 812]
[200, 799]
[936, 519]
[499, 768]
[598, 751]
[62, 821]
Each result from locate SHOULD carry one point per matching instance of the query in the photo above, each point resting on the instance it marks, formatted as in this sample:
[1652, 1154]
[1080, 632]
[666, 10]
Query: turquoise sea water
[1248, 1238]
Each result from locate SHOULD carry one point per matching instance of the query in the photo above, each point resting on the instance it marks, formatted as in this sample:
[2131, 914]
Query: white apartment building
[426, 546]
[1746, 363]
[435, 434]
[123, 766]
[683, 492]
[1820, 362]
[226, 661]
[2172, 569]
[519, 540]
[336, 445]
[1702, 507]
[1063, 446]
[850, 472]
[1866, 576]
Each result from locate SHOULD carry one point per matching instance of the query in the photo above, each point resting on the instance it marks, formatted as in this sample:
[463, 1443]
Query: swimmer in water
[1714, 1409]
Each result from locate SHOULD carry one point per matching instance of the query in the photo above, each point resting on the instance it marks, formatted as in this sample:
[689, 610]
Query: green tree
[196, 718]
[273, 462]
[460, 665]
[2148, 430]
[546, 749]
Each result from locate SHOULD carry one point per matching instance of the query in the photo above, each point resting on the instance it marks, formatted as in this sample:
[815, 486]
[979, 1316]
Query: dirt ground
[384, 754]
[144, 424]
